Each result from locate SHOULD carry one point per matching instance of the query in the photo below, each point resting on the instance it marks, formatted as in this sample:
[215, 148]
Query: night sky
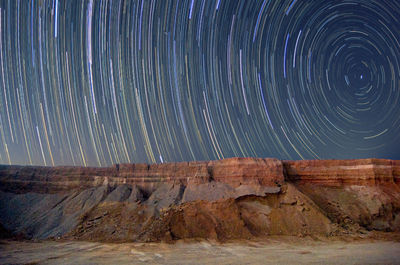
[101, 82]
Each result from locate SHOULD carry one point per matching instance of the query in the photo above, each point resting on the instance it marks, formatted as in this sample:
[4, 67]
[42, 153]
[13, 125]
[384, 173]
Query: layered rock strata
[224, 199]
[235, 172]
[336, 172]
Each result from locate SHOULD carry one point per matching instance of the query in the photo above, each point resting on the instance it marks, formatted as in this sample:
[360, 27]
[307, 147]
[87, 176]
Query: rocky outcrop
[224, 199]
[337, 172]
[233, 171]
[365, 192]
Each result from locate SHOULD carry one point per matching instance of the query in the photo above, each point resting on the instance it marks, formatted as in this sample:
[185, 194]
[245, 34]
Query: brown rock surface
[337, 172]
[226, 199]
[232, 171]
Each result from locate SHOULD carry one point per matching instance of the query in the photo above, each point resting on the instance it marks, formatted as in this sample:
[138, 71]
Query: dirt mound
[46, 215]
[287, 213]
[372, 207]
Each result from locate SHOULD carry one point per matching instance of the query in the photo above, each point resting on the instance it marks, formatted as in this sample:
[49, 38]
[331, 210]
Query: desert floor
[279, 250]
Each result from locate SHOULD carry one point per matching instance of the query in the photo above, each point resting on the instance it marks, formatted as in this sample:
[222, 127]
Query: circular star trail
[100, 82]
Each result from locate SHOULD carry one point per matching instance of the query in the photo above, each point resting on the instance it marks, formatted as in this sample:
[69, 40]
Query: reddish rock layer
[337, 172]
[233, 171]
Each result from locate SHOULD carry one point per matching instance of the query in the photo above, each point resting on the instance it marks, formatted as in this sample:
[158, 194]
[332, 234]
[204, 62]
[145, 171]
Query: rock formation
[224, 199]
[337, 172]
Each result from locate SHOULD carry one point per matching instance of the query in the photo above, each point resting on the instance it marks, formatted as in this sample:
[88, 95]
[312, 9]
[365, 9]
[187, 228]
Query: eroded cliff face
[232, 172]
[338, 172]
[364, 192]
[224, 199]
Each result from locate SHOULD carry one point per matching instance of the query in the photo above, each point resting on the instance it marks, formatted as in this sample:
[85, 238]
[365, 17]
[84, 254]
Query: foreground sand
[280, 250]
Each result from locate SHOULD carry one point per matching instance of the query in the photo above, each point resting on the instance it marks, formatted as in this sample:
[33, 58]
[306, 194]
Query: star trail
[98, 82]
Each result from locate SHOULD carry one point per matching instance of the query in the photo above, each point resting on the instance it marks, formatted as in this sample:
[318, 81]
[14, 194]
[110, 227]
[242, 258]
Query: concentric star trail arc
[98, 82]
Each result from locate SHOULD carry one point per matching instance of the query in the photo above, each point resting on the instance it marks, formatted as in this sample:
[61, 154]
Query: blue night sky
[100, 82]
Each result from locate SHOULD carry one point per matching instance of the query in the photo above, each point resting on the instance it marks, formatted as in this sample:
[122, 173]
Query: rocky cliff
[225, 199]
[337, 172]
[234, 172]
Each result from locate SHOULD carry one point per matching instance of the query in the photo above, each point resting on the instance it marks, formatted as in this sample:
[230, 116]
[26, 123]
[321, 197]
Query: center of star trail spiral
[103, 82]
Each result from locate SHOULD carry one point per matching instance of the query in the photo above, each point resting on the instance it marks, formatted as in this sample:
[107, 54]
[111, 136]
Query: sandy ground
[272, 251]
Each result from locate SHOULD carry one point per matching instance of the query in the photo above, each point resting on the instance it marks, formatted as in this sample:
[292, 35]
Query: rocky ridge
[224, 199]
